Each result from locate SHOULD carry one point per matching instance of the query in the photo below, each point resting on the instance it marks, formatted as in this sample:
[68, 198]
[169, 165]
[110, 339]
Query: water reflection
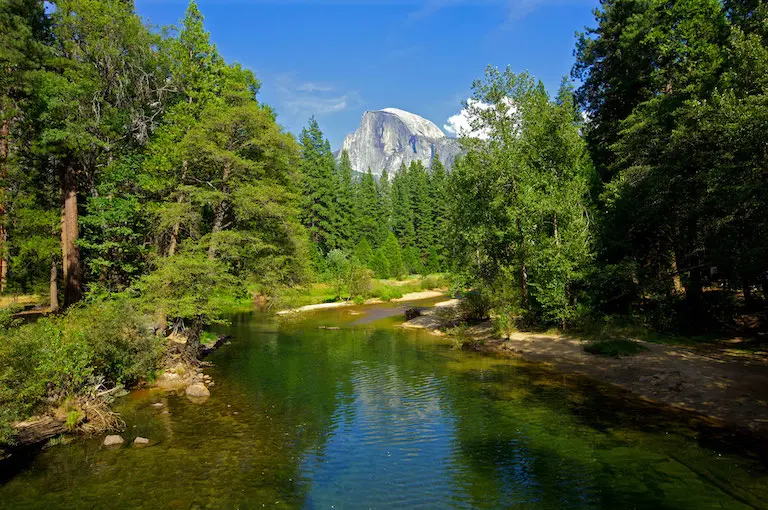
[370, 416]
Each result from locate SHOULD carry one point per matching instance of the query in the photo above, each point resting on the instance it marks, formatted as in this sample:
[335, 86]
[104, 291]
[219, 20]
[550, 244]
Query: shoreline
[714, 384]
[411, 296]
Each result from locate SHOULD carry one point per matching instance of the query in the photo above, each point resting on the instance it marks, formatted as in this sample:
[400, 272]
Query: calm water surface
[374, 417]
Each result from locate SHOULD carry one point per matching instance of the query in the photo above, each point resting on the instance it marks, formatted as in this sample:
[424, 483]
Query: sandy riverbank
[412, 296]
[731, 389]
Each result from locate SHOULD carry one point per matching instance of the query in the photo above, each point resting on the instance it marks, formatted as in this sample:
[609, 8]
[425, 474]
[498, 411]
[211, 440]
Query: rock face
[390, 137]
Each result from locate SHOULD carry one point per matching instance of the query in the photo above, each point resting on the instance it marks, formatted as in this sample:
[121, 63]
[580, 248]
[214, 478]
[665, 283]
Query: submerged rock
[113, 440]
[412, 313]
[198, 390]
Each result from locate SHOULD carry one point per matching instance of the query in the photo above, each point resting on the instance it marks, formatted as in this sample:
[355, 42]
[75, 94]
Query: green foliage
[474, 306]
[434, 281]
[380, 264]
[615, 348]
[359, 281]
[338, 268]
[522, 220]
[188, 288]
[392, 252]
[319, 215]
[106, 342]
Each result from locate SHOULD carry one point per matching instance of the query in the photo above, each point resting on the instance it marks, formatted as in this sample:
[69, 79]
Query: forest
[145, 189]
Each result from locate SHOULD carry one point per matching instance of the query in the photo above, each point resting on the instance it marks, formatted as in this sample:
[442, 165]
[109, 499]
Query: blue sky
[338, 58]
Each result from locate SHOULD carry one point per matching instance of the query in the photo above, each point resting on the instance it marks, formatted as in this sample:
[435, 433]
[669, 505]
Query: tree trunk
[177, 225]
[676, 281]
[748, 296]
[5, 133]
[557, 233]
[218, 222]
[54, 286]
[73, 290]
[221, 210]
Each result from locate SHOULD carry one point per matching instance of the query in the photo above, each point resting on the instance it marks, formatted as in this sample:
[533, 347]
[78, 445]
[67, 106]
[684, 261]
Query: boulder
[412, 313]
[197, 390]
[113, 440]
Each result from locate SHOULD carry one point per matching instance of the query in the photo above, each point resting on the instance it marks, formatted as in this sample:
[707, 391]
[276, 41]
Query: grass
[19, 301]
[615, 348]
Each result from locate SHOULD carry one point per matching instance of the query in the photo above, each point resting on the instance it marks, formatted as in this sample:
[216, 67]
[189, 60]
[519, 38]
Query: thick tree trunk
[54, 287]
[73, 285]
[676, 281]
[5, 133]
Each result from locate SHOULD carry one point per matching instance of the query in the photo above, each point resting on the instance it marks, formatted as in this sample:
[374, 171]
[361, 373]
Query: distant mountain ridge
[391, 137]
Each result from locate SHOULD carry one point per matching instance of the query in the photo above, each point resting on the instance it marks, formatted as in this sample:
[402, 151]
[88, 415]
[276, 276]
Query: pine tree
[317, 169]
[368, 209]
[421, 210]
[394, 255]
[347, 230]
[402, 213]
[196, 74]
[364, 252]
[440, 204]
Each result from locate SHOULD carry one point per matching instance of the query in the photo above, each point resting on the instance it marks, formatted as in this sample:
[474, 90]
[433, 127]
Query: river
[372, 416]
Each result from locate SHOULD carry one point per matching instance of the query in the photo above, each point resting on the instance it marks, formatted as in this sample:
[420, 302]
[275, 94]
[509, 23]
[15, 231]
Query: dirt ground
[732, 389]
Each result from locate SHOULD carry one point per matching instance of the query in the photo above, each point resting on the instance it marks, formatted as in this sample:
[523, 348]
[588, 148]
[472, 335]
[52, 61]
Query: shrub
[390, 292]
[434, 281]
[55, 358]
[474, 306]
[359, 281]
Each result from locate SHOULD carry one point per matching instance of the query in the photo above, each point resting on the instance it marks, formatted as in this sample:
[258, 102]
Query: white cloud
[304, 99]
[465, 123]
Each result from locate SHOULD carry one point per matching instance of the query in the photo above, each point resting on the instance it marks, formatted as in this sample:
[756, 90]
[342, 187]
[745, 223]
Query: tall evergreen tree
[317, 170]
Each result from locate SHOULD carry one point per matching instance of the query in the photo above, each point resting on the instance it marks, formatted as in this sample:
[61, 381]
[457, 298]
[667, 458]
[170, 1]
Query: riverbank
[411, 296]
[729, 388]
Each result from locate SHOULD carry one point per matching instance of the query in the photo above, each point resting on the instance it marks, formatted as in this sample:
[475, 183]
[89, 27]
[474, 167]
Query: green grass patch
[615, 348]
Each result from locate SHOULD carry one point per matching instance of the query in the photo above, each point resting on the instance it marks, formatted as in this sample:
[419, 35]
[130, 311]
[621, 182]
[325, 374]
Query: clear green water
[375, 417]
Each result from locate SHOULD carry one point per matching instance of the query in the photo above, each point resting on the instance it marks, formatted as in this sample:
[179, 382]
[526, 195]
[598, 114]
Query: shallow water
[374, 417]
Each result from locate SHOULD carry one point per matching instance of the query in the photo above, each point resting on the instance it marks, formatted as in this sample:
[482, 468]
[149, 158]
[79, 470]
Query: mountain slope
[390, 137]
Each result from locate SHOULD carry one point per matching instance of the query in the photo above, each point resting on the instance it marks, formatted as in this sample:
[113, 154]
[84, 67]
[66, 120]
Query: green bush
[359, 281]
[434, 281]
[55, 358]
[475, 306]
[390, 292]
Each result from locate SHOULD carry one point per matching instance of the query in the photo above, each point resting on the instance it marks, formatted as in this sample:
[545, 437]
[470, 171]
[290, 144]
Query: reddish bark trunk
[54, 287]
[73, 285]
[5, 131]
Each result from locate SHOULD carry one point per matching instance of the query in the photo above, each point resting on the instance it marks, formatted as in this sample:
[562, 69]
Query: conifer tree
[368, 209]
[402, 212]
[317, 170]
[347, 229]
[393, 253]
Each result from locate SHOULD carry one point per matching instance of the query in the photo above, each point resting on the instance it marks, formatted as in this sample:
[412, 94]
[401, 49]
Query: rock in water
[113, 440]
[198, 390]
[141, 441]
[390, 137]
[412, 313]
